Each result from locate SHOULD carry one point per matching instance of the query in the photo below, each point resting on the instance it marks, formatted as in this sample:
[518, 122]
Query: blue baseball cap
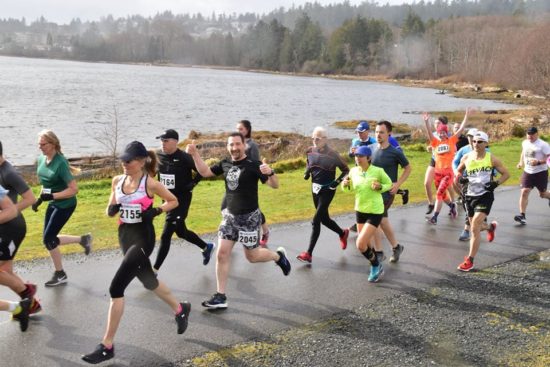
[363, 150]
[132, 151]
[362, 127]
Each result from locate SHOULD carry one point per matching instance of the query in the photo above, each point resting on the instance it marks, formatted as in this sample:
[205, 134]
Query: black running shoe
[431, 208]
[100, 354]
[207, 253]
[283, 262]
[58, 278]
[396, 253]
[23, 315]
[182, 318]
[218, 300]
[86, 242]
[520, 219]
[405, 196]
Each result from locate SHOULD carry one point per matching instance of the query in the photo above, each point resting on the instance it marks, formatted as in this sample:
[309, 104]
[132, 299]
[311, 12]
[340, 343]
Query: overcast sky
[62, 11]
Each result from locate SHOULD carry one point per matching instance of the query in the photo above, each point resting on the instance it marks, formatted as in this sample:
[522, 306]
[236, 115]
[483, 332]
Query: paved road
[261, 300]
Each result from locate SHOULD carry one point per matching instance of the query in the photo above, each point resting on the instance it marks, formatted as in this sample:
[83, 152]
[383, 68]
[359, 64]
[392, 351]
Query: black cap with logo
[169, 134]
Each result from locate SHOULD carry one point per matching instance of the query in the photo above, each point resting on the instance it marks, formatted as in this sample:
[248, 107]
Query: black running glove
[190, 186]
[334, 185]
[46, 197]
[307, 174]
[113, 210]
[36, 205]
[150, 214]
[463, 180]
[491, 186]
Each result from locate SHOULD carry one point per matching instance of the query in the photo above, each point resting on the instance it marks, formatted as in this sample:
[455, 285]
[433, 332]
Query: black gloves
[463, 180]
[190, 186]
[46, 197]
[150, 214]
[491, 186]
[36, 205]
[307, 174]
[113, 209]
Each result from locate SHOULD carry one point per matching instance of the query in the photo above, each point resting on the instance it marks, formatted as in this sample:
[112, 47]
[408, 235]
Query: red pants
[443, 179]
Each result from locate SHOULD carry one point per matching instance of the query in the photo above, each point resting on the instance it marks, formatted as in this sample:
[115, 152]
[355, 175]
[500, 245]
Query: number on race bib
[130, 213]
[168, 181]
[443, 148]
[248, 239]
[315, 188]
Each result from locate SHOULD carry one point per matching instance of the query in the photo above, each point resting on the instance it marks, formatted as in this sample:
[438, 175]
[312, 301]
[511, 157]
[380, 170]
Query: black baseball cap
[169, 134]
[132, 151]
[532, 130]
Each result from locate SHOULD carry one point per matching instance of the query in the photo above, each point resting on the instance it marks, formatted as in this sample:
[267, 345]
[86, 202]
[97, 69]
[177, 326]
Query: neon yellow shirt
[368, 200]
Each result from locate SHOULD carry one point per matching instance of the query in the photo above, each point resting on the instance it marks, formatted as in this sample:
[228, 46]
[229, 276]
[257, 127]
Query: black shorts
[12, 234]
[373, 219]
[479, 204]
[538, 180]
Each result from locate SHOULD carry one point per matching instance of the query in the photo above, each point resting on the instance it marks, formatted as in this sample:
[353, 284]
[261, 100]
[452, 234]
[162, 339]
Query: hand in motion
[346, 181]
[191, 148]
[113, 209]
[376, 185]
[149, 214]
[46, 197]
[491, 186]
[265, 169]
[36, 205]
[426, 117]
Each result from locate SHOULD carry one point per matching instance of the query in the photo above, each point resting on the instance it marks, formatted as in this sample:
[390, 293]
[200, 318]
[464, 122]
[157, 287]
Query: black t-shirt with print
[241, 184]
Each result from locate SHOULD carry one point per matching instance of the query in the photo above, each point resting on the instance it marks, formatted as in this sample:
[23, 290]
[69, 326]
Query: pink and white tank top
[133, 204]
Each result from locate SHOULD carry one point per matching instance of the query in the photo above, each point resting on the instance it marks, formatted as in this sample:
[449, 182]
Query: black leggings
[137, 242]
[322, 201]
[175, 226]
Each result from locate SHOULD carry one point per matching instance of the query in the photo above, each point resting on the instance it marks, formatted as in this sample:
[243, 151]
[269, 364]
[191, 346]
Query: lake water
[76, 100]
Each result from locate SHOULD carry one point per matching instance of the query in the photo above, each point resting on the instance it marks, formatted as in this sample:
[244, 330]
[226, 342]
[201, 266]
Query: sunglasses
[478, 141]
[317, 139]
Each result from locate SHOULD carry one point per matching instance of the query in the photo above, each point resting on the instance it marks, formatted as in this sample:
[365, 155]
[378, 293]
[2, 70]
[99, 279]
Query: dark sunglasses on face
[478, 142]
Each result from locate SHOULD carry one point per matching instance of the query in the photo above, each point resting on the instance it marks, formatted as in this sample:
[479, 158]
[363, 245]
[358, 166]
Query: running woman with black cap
[477, 167]
[368, 182]
[12, 181]
[132, 196]
[59, 189]
[12, 232]
[241, 217]
[535, 153]
[322, 162]
[175, 172]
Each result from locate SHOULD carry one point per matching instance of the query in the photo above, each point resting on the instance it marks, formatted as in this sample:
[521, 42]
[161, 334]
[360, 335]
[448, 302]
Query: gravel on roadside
[499, 316]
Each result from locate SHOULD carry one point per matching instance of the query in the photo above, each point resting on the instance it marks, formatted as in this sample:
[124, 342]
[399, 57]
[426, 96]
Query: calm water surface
[76, 100]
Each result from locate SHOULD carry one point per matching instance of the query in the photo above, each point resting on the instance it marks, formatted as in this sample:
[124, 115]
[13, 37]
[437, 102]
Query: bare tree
[109, 136]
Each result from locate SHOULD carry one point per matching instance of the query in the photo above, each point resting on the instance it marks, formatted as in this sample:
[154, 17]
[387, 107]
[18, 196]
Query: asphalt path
[261, 300]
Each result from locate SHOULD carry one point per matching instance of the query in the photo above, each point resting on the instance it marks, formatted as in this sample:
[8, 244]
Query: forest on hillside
[486, 41]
